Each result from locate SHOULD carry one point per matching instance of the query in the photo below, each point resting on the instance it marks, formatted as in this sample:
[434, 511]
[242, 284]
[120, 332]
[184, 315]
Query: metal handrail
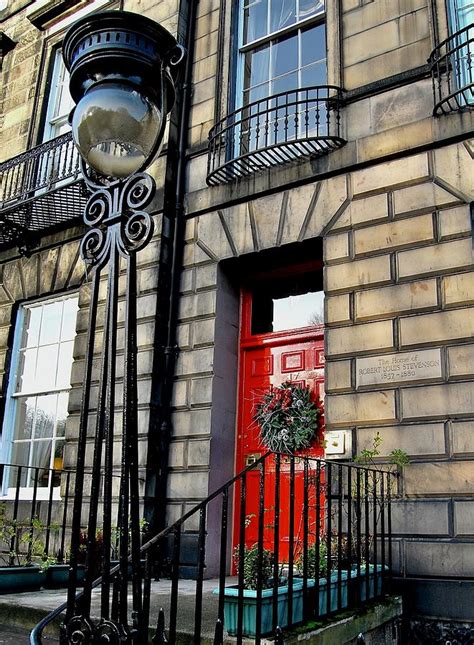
[452, 72]
[360, 493]
[274, 130]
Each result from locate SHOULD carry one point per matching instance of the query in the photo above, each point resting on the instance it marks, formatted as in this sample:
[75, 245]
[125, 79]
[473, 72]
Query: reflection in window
[34, 427]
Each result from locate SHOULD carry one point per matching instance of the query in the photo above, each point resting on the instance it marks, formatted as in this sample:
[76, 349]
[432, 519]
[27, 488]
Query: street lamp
[122, 72]
[123, 69]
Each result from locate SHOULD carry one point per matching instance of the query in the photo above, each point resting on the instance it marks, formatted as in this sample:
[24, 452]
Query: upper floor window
[282, 108]
[38, 392]
[460, 14]
[60, 102]
[282, 47]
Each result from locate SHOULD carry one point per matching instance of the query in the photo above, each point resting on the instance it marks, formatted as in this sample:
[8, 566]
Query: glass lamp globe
[116, 128]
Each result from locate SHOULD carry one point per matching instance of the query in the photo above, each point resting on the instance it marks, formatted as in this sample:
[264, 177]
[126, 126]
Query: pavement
[19, 612]
[13, 636]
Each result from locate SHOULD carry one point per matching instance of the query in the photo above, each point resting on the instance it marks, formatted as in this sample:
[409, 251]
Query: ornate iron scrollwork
[114, 214]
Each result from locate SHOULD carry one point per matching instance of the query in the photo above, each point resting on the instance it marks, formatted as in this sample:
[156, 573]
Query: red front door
[268, 359]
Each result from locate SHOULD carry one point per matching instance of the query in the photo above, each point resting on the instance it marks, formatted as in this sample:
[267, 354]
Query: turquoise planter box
[323, 593]
[250, 608]
[57, 576]
[250, 604]
[14, 579]
[363, 581]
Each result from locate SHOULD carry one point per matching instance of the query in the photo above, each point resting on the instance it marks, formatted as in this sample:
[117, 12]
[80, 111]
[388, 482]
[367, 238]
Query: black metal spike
[160, 636]
[219, 633]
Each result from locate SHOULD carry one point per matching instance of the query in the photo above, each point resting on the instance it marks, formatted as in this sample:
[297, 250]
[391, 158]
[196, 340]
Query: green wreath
[288, 418]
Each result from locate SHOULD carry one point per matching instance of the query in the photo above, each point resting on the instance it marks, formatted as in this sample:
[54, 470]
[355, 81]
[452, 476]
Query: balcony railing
[452, 71]
[275, 130]
[40, 189]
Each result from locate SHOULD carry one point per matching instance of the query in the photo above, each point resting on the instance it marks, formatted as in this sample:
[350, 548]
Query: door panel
[270, 360]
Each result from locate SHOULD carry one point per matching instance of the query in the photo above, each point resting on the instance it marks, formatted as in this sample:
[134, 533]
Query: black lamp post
[123, 68]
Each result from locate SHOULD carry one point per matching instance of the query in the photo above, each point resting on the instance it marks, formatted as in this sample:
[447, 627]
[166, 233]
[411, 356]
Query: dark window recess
[287, 303]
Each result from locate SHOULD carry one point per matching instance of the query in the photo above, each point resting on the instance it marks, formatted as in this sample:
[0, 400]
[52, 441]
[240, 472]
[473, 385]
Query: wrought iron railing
[35, 509]
[275, 130]
[314, 537]
[39, 189]
[452, 71]
[33, 514]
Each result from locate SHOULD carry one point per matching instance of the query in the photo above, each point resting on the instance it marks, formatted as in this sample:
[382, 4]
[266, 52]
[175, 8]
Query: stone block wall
[382, 39]
[19, 81]
[399, 286]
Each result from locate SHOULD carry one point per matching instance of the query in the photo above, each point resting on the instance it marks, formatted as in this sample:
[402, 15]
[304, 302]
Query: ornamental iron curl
[114, 215]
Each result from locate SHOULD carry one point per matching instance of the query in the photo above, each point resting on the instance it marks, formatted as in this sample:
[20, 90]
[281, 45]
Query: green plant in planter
[251, 566]
[26, 538]
[311, 561]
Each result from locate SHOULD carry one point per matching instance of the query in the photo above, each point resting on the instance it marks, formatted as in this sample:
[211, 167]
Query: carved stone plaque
[399, 368]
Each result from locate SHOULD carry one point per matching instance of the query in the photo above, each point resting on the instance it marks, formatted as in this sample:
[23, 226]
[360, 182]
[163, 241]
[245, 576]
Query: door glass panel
[287, 303]
[293, 312]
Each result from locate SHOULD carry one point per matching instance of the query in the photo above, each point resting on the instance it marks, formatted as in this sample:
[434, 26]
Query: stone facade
[392, 208]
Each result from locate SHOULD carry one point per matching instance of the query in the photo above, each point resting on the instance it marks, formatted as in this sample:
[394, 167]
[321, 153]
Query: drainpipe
[171, 258]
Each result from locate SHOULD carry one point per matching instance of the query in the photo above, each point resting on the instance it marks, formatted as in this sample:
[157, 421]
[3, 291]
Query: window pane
[285, 83]
[58, 461]
[282, 14]
[26, 370]
[63, 379]
[45, 416]
[255, 20]
[46, 367]
[313, 45]
[32, 326]
[307, 8]
[256, 67]
[51, 323]
[62, 414]
[298, 311]
[25, 413]
[314, 75]
[20, 452]
[41, 458]
[284, 56]
[68, 330]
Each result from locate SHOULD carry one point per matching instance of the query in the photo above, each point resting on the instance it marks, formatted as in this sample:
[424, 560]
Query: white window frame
[8, 490]
[59, 84]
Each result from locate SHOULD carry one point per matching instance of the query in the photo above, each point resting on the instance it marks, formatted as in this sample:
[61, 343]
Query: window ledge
[45, 11]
